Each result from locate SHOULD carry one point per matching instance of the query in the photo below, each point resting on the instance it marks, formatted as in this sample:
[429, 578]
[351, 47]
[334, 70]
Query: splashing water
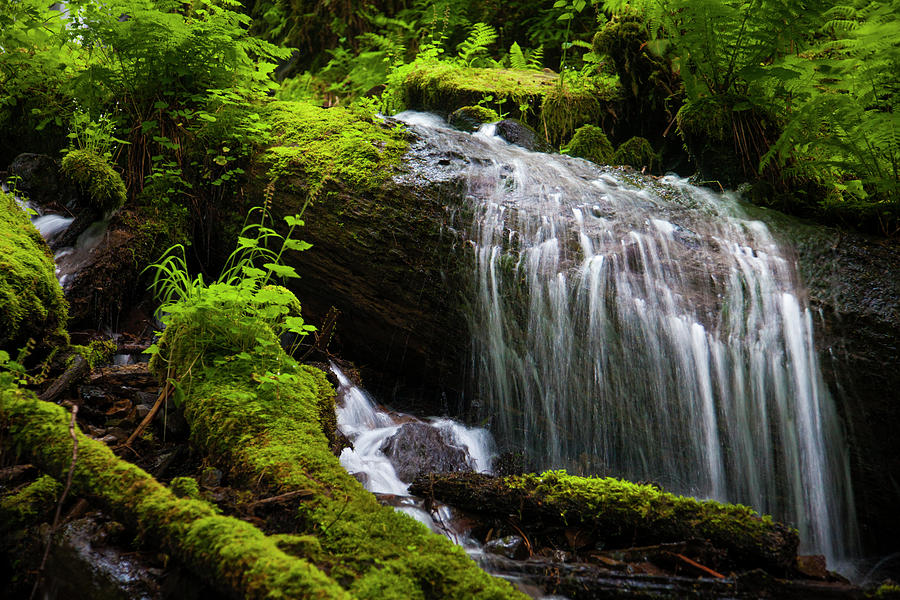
[649, 331]
[368, 428]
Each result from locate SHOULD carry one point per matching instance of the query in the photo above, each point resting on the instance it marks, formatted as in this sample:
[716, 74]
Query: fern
[517, 57]
[536, 58]
[481, 36]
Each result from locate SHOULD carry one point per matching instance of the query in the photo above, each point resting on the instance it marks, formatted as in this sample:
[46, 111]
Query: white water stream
[368, 428]
[649, 331]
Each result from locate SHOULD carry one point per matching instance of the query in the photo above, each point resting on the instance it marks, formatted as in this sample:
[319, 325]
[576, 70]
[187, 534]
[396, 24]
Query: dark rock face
[393, 263]
[418, 449]
[853, 282]
[40, 180]
[516, 132]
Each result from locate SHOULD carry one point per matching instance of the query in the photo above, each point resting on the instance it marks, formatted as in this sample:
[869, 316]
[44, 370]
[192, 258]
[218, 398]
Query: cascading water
[649, 331]
[368, 429]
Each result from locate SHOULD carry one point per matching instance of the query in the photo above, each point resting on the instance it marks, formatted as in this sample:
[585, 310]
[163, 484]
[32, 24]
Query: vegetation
[31, 301]
[171, 112]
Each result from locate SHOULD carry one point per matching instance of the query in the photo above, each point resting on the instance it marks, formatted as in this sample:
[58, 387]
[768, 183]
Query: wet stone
[511, 546]
[419, 448]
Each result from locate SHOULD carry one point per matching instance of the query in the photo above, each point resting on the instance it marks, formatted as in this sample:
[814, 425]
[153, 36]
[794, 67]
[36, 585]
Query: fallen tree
[586, 512]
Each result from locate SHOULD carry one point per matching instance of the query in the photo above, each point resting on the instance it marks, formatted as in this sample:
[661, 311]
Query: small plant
[223, 319]
[474, 47]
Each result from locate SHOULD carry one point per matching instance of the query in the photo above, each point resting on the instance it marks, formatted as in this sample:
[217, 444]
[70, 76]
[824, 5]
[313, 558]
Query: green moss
[30, 505]
[638, 153]
[333, 144]
[708, 118]
[886, 590]
[631, 511]
[96, 353]
[591, 143]
[31, 299]
[566, 108]
[185, 487]
[535, 97]
[469, 118]
[271, 435]
[229, 553]
[97, 177]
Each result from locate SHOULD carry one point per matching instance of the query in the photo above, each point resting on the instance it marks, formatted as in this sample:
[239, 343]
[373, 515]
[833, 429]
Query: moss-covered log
[230, 553]
[31, 301]
[535, 97]
[561, 508]
[29, 505]
[266, 431]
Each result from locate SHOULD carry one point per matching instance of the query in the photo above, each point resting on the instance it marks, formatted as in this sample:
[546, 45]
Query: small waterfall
[646, 330]
[369, 428]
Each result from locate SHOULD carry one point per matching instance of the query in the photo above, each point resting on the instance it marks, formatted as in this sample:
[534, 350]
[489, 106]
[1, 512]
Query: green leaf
[281, 270]
[298, 245]
[252, 272]
[294, 221]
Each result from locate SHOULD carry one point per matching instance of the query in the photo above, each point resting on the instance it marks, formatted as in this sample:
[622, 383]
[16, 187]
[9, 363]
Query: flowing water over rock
[387, 472]
[646, 330]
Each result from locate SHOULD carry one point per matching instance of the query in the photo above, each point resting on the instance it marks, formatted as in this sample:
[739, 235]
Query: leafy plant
[844, 129]
[247, 289]
[475, 46]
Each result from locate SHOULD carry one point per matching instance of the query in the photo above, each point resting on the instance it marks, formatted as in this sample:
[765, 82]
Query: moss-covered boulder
[382, 254]
[31, 300]
[638, 153]
[591, 143]
[470, 118]
[535, 97]
[99, 181]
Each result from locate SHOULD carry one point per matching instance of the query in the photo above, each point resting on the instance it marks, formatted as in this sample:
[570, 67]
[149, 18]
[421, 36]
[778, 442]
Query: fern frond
[481, 36]
[517, 57]
[536, 58]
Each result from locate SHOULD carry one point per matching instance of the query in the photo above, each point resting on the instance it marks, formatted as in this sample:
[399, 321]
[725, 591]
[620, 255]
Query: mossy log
[616, 514]
[231, 554]
[535, 97]
[269, 434]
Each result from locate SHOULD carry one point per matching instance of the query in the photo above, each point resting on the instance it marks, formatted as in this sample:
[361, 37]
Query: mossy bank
[31, 300]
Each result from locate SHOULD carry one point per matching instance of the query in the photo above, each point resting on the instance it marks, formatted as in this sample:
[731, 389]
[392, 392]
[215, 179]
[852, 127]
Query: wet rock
[39, 179]
[516, 132]
[419, 448]
[510, 546]
[88, 560]
[211, 477]
[470, 118]
[853, 282]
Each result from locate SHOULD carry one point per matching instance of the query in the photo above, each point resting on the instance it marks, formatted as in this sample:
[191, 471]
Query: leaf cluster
[247, 290]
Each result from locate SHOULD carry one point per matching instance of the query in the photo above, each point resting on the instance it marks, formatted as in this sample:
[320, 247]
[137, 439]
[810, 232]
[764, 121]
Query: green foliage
[474, 47]
[96, 353]
[845, 130]
[638, 153]
[591, 143]
[93, 173]
[245, 291]
[31, 299]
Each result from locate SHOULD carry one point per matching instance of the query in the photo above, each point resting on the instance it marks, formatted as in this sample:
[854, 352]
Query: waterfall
[647, 330]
